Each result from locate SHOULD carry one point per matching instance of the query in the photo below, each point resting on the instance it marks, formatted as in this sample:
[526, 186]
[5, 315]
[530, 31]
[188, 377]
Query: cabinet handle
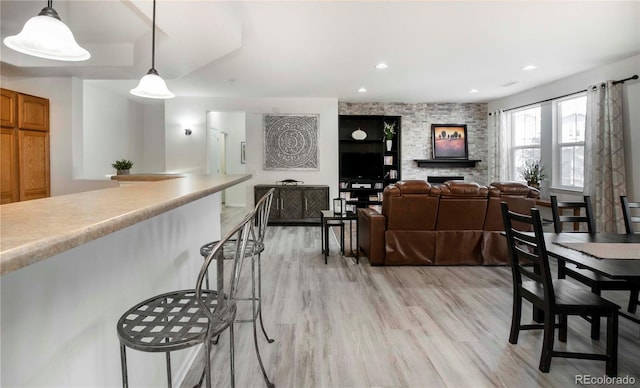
[306, 205]
[277, 204]
[282, 203]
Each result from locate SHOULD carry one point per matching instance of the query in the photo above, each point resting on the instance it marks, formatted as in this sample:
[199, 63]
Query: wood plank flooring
[348, 325]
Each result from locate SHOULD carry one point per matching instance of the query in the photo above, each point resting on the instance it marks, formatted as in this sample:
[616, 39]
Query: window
[569, 157]
[525, 138]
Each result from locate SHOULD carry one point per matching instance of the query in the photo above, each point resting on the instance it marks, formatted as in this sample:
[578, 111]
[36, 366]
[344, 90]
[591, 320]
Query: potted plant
[533, 173]
[389, 130]
[122, 166]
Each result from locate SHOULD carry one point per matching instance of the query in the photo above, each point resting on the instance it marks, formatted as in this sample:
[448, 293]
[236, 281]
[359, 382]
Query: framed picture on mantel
[449, 141]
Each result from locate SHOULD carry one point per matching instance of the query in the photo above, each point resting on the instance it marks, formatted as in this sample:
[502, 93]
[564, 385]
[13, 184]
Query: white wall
[153, 159]
[631, 100]
[113, 129]
[188, 153]
[233, 124]
[65, 119]
[59, 315]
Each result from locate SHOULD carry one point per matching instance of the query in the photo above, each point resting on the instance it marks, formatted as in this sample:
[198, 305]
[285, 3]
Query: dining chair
[554, 297]
[629, 220]
[255, 249]
[582, 213]
[182, 319]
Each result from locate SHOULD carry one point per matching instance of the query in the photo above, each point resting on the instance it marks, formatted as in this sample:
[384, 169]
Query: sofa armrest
[371, 228]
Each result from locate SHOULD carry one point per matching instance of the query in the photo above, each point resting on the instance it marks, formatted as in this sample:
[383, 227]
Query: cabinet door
[291, 206]
[259, 192]
[33, 113]
[8, 166]
[315, 200]
[33, 164]
[8, 108]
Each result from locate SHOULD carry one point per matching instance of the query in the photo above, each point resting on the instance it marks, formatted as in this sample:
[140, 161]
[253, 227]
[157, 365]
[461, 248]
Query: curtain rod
[635, 76]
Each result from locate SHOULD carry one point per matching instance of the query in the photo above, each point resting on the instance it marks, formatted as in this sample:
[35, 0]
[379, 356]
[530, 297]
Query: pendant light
[152, 85]
[46, 36]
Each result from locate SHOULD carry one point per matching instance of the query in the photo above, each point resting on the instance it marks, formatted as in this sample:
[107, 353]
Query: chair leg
[342, 237]
[269, 340]
[612, 344]
[633, 301]
[595, 320]
[515, 318]
[562, 332]
[231, 358]
[123, 366]
[168, 356]
[255, 305]
[547, 342]
[561, 271]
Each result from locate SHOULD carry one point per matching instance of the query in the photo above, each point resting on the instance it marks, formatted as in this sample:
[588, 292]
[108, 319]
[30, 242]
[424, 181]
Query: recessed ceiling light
[362, 90]
[473, 91]
[529, 67]
[381, 66]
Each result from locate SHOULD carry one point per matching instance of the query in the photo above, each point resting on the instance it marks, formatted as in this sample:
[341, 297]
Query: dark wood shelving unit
[442, 163]
[357, 157]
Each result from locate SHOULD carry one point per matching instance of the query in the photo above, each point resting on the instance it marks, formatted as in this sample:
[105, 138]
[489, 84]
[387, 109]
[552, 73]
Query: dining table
[616, 256]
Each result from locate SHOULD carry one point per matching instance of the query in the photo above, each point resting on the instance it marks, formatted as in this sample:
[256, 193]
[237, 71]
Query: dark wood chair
[629, 220]
[554, 297]
[582, 213]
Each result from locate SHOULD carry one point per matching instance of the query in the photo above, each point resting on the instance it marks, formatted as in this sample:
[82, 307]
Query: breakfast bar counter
[72, 264]
[31, 231]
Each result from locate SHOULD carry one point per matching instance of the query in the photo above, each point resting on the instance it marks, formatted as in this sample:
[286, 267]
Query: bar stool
[255, 248]
[181, 319]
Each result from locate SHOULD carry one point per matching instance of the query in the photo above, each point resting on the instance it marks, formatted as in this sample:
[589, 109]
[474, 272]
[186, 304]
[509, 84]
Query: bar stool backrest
[236, 241]
[263, 209]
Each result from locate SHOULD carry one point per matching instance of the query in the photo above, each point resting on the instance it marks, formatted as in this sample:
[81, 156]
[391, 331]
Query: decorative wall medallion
[359, 134]
[291, 142]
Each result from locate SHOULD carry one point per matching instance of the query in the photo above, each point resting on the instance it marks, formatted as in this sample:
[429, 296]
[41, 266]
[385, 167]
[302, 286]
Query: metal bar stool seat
[180, 319]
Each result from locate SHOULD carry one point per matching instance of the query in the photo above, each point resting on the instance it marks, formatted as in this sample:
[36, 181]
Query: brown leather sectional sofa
[457, 223]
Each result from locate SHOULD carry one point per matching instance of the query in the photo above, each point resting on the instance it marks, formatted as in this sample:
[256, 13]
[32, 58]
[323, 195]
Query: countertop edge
[27, 254]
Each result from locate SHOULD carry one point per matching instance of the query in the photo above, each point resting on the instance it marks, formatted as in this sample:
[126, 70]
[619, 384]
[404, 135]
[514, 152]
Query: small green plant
[533, 171]
[389, 130]
[123, 164]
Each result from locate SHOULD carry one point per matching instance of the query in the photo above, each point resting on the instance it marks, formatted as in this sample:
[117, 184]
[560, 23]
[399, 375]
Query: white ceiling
[436, 51]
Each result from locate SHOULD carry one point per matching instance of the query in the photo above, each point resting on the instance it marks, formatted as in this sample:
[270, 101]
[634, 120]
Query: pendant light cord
[153, 38]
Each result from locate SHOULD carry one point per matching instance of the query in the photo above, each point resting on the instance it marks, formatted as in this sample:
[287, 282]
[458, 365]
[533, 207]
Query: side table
[327, 219]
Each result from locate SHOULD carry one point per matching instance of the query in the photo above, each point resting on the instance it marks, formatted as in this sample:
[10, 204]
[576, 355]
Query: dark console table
[295, 204]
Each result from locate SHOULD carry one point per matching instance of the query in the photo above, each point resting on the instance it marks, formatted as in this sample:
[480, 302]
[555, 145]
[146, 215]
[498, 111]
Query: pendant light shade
[46, 36]
[152, 85]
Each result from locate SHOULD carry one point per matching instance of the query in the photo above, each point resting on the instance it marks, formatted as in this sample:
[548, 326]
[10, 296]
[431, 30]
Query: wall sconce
[187, 132]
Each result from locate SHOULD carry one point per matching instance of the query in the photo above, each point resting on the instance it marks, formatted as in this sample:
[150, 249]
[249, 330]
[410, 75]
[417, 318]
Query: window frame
[515, 173]
[558, 145]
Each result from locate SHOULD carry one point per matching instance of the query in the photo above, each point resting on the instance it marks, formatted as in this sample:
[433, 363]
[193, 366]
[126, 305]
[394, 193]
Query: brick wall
[416, 133]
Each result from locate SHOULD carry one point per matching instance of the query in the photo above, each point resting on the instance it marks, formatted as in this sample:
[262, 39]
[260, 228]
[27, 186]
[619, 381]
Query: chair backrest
[578, 216]
[236, 242]
[527, 252]
[629, 218]
[263, 208]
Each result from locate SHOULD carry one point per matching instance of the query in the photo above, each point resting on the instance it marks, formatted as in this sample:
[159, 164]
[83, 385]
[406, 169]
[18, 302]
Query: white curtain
[604, 156]
[499, 147]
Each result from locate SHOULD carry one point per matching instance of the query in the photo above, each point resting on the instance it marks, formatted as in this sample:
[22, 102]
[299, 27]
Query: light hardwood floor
[348, 325]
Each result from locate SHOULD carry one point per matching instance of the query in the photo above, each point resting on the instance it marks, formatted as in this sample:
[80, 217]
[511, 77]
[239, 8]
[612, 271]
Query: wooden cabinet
[33, 154]
[295, 205]
[8, 110]
[24, 143]
[9, 166]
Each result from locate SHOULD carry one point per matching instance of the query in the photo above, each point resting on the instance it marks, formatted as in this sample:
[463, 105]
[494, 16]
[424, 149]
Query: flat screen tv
[365, 165]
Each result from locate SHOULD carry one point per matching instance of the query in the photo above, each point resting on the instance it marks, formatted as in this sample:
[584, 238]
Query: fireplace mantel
[443, 163]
